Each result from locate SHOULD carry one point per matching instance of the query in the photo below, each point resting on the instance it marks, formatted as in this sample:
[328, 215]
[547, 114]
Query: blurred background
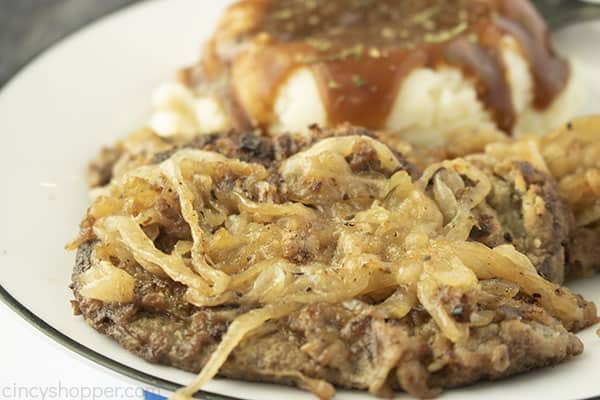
[29, 26]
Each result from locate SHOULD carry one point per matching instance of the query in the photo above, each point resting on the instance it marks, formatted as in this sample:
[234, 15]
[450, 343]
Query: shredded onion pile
[313, 231]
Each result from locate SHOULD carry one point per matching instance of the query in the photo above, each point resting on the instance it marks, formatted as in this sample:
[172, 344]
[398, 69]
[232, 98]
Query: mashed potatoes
[476, 86]
[431, 106]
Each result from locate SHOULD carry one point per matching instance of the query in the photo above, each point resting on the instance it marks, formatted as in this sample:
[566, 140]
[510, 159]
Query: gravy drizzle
[360, 52]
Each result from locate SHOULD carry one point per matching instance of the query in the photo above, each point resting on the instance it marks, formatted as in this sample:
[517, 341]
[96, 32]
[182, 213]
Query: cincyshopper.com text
[70, 392]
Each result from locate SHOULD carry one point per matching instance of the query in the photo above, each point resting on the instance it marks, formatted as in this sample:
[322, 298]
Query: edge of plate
[48, 330]
[64, 340]
[93, 355]
[29, 316]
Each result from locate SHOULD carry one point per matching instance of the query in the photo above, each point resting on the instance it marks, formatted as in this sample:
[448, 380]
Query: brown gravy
[361, 51]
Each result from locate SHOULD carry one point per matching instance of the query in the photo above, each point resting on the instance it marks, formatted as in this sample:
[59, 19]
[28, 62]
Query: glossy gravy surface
[360, 52]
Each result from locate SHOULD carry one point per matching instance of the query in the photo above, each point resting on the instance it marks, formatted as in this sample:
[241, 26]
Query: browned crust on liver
[526, 210]
[327, 342]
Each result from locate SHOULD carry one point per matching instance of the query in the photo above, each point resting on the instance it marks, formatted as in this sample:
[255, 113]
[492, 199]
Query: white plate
[94, 88]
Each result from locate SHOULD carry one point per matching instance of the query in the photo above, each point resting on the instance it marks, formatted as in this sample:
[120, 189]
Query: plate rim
[29, 316]
[70, 344]
[38, 323]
